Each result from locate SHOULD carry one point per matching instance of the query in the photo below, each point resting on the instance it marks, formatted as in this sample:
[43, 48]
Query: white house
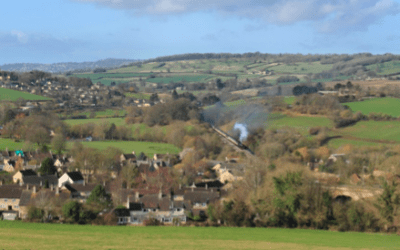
[70, 178]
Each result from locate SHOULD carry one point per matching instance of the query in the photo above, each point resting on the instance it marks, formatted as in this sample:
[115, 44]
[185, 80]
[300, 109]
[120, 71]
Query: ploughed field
[21, 235]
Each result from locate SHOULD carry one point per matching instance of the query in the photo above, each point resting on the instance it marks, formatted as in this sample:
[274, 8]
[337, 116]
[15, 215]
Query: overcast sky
[49, 31]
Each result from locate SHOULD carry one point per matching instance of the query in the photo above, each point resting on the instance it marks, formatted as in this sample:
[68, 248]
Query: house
[70, 178]
[9, 199]
[40, 180]
[49, 200]
[198, 199]
[17, 177]
[80, 191]
[9, 165]
[158, 206]
[128, 158]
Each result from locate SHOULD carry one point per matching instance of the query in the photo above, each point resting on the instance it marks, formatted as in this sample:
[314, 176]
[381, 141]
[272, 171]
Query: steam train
[230, 139]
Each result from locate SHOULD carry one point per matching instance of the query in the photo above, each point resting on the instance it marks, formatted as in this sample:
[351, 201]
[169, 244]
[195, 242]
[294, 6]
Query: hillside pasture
[23, 235]
[10, 144]
[138, 95]
[387, 105]
[116, 121]
[385, 68]
[339, 142]
[149, 148]
[300, 123]
[179, 78]
[380, 131]
[301, 68]
[13, 95]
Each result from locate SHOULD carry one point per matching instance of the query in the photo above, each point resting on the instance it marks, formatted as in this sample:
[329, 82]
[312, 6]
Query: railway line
[239, 146]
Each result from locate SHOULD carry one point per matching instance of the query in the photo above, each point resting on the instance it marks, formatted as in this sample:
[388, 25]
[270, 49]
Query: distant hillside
[65, 67]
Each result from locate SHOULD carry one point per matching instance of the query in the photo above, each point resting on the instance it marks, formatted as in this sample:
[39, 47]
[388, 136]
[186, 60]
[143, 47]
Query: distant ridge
[65, 67]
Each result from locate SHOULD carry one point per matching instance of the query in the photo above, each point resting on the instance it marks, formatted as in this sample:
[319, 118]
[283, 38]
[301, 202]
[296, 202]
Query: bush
[71, 211]
[35, 213]
[152, 222]
[314, 130]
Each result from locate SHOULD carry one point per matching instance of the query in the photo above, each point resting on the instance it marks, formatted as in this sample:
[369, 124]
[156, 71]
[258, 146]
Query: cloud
[328, 16]
[39, 43]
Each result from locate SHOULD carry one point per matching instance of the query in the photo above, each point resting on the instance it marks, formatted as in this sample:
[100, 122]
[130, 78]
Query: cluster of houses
[72, 96]
[159, 200]
[32, 189]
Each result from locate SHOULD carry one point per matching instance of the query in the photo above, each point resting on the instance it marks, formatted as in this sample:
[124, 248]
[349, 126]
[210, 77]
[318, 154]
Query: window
[178, 209]
[204, 204]
[13, 200]
[16, 206]
[5, 200]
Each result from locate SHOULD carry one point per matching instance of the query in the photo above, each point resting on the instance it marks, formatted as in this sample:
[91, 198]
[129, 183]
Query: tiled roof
[28, 172]
[37, 180]
[201, 196]
[75, 176]
[153, 201]
[80, 187]
[10, 192]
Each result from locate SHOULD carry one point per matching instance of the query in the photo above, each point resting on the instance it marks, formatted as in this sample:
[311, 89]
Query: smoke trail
[243, 131]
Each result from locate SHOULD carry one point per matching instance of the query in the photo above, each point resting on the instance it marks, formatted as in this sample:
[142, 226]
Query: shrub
[152, 222]
[35, 213]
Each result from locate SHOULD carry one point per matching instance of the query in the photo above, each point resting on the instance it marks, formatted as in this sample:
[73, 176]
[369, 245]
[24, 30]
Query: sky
[51, 31]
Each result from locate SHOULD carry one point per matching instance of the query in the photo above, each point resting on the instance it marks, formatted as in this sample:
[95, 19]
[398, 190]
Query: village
[165, 203]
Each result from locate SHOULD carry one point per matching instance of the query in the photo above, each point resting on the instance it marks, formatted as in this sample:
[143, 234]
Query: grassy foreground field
[20, 235]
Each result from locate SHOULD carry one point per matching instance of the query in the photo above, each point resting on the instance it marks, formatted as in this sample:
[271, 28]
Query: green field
[336, 143]
[13, 95]
[387, 105]
[138, 95]
[116, 121]
[301, 68]
[10, 144]
[149, 148]
[289, 99]
[385, 68]
[374, 130]
[185, 78]
[300, 123]
[22, 235]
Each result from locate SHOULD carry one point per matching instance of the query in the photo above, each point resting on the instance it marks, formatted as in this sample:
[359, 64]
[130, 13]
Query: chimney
[137, 195]
[212, 190]
[127, 203]
[180, 186]
[27, 186]
[104, 183]
[84, 183]
[206, 186]
[57, 190]
[39, 174]
[41, 183]
[34, 190]
[160, 194]
[133, 152]
[52, 187]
